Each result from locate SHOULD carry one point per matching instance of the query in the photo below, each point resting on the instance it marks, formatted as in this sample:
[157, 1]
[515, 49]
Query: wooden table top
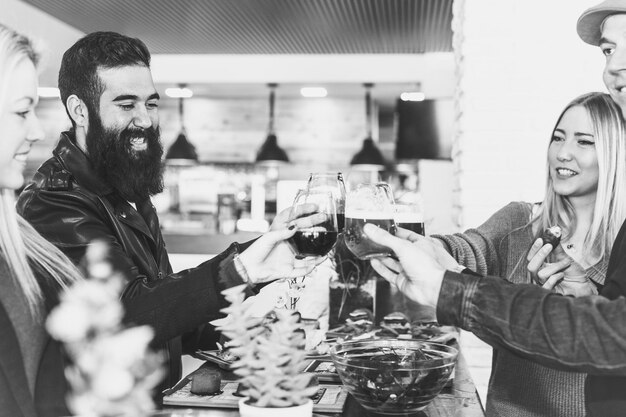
[459, 400]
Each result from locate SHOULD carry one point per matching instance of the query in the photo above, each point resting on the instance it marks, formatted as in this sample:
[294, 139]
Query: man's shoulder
[51, 184]
[54, 176]
[51, 176]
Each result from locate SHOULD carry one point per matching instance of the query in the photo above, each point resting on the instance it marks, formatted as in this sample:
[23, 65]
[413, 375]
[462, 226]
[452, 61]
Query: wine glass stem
[296, 289]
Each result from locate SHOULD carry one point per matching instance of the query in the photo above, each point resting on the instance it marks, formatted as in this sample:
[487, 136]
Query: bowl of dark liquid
[394, 376]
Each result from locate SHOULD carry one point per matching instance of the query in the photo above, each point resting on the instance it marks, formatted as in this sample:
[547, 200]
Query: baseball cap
[590, 22]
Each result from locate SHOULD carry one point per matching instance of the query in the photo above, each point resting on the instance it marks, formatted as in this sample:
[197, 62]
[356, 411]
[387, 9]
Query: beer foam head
[408, 217]
[370, 197]
[369, 215]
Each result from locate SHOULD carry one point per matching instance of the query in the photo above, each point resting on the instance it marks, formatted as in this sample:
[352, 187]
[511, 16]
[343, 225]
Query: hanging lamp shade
[182, 152]
[270, 152]
[369, 157]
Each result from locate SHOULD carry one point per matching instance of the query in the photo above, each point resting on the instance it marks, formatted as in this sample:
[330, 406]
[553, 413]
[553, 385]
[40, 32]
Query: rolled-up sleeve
[586, 334]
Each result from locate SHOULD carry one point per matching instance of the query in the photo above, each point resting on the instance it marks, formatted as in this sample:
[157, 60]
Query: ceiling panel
[267, 26]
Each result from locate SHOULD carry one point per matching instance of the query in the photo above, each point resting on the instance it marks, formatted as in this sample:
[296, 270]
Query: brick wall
[518, 64]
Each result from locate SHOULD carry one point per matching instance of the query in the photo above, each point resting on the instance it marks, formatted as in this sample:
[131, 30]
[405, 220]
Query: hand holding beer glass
[368, 203]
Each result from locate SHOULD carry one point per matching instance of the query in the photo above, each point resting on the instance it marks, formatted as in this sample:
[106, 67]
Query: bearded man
[98, 185]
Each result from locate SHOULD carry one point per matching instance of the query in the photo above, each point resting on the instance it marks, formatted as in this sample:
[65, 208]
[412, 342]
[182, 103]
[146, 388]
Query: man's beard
[136, 175]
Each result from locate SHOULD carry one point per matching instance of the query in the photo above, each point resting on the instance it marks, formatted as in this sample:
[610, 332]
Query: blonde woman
[586, 198]
[32, 270]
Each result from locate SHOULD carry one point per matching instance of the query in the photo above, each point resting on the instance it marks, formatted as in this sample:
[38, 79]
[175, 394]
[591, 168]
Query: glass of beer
[368, 203]
[409, 216]
[331, 182]
[318, 239]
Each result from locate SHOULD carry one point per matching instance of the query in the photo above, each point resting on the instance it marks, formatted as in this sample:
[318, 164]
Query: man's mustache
[132, 133]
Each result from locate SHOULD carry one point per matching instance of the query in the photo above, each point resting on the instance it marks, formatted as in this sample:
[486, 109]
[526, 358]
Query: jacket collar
[76, 162]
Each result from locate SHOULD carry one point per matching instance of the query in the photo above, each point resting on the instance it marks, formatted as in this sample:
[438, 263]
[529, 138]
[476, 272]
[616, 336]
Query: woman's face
[572, 157]
[19, 126]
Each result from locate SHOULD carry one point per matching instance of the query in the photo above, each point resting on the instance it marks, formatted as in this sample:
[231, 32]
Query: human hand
[417, 272]
[564, 276]
[541, 271]
[270, 257]
[305, 215]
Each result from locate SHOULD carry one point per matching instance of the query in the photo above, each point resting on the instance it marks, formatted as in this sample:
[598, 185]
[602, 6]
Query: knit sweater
[518, 387]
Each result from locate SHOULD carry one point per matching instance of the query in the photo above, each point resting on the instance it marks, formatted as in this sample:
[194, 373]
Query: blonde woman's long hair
[610, 206]
[23, 249]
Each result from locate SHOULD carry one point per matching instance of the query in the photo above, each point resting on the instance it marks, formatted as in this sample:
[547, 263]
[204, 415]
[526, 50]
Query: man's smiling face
[613, 46]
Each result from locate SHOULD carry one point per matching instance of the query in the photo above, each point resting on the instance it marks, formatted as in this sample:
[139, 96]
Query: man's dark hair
[79, 66]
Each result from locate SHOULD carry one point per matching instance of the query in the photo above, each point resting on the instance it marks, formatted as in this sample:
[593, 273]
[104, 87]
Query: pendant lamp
[182, 152]
[270, 153]
[369, 157]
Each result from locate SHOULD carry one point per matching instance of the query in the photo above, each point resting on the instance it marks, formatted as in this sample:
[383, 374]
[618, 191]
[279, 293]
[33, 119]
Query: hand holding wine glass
[315, 239]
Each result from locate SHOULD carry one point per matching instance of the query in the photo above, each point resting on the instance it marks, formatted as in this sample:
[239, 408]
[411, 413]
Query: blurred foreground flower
[112, 371]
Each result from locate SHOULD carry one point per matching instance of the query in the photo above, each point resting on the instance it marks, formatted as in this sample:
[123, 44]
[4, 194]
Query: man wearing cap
[586, 334]
[604, 25]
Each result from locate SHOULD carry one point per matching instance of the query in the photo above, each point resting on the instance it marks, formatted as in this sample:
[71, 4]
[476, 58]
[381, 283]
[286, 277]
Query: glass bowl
[393, 376]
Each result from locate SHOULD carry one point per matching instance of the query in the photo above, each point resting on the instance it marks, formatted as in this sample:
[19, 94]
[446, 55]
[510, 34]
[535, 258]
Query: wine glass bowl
[330, 182]
[317, 239]
[368, 203]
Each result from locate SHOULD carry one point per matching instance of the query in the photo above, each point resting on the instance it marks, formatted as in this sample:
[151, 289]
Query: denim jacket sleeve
[586, 334]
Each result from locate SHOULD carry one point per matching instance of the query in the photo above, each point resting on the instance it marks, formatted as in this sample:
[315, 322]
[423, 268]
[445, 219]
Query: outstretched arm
[586, 334]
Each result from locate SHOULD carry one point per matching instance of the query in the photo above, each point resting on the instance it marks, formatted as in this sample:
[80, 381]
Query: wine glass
[368, 203]
[318, 239]
[331, 182]
[314, 240]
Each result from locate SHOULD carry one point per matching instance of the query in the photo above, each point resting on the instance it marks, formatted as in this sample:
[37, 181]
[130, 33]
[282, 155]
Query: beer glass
[368, 203]
[409, 216]
[331, 182]
[319, 239]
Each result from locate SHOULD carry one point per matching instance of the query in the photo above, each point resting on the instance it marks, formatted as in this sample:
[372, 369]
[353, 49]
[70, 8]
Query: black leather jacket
[70, 206]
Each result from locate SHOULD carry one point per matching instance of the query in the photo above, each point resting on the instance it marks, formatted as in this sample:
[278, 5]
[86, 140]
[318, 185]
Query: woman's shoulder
[514, 215]
[520, 207]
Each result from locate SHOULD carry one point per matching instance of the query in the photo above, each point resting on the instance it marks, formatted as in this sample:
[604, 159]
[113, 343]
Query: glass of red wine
[318, 239]
[314, 239]
[331, 182]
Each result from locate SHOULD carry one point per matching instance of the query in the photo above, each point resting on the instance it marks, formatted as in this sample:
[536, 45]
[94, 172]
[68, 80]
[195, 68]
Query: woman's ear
[77, 111]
